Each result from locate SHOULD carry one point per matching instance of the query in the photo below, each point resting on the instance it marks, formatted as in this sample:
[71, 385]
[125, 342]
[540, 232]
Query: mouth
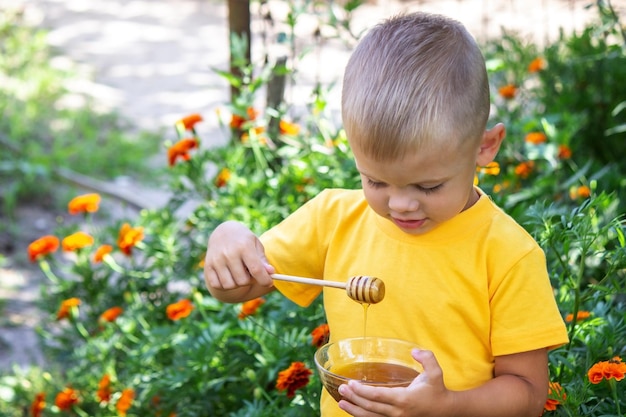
[408, 224]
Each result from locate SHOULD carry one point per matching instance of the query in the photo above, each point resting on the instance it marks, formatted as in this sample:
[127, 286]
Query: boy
[462, 279]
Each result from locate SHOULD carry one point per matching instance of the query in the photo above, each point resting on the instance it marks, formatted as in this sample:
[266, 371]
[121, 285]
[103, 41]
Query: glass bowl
[383, 362]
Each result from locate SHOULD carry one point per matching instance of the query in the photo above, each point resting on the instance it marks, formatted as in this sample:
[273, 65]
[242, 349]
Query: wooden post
[276, 93]
[239, 24]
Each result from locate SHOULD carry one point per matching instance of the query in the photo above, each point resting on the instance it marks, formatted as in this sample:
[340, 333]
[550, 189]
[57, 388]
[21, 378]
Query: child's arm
[235, 267]
[519, 389]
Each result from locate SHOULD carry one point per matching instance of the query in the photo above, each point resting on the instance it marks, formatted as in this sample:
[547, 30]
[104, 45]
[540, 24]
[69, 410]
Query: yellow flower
[222, 178]
[492, 168]
[76, 241]
[129, 237]
[86, 203]
[287, 128]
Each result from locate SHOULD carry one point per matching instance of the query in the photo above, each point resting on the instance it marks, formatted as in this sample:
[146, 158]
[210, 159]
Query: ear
[490, 144]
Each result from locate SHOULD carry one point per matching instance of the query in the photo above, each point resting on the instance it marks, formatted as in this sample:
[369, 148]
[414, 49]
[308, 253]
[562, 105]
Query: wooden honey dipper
[362, 288]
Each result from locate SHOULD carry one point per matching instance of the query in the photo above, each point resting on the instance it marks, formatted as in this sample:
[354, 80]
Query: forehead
[424, 165]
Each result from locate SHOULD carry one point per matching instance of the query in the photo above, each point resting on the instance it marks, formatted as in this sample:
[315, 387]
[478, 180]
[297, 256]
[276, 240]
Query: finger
[220, 278]
[368, 400]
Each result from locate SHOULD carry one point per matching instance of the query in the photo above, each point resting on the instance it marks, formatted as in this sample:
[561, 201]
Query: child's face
[421, 190]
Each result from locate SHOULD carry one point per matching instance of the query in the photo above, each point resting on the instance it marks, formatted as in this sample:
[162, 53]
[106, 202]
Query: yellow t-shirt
[473, 288]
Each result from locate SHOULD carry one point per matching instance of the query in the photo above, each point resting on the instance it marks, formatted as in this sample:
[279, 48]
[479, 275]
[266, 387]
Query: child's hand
[424, 397]
[235, 266]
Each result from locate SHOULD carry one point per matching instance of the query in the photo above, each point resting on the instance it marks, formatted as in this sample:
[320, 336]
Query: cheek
[376, 198]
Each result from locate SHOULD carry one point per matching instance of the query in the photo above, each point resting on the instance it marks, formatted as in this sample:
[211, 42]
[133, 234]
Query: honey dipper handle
[311, 281]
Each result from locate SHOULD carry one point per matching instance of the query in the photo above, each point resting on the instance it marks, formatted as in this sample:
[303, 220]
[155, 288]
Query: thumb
[432, 371]
[261, 251]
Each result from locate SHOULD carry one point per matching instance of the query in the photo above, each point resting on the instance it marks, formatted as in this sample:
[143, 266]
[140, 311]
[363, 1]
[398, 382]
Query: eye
[429, 190]
[375, 184]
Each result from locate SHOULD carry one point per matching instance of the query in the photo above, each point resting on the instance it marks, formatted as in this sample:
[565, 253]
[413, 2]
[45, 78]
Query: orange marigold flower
[43, 246]
[537, 65]
[129, 237]
[564, 152]
[190, 121]
[179, 310]
[86, 203]
[508, 91]
[320, 335]
[556, 396]
[222, 178]
[104, 389]
[524, 169]
[293, 378]
[66, 307]
[66, 399]
[581, 315]
[125, 401]
[38, 405]
[111, 314]
[492, 168]
[287, 128]
[101, 252]
[581, 192]
[181, 150]
[77, 241]
[250, 307]
[613, 368]
[536, 138]
[237, 120]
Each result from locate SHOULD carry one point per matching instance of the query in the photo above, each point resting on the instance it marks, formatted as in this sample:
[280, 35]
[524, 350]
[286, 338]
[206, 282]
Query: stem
[613, 386]
[577, 297]
[45, 268]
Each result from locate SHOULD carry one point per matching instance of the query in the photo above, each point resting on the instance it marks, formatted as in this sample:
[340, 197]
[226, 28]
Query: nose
[401, 201]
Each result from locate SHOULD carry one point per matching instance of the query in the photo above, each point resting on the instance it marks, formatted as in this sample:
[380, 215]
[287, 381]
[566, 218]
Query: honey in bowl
[371, 360]
[371, 373]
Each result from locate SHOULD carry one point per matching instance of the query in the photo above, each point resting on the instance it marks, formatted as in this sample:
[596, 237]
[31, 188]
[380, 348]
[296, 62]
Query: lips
[408, 224]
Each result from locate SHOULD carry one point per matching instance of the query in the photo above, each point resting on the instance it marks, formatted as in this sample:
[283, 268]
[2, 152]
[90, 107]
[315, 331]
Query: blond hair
[415, 80]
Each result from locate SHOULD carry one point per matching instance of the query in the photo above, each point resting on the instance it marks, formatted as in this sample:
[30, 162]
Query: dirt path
[151, 60]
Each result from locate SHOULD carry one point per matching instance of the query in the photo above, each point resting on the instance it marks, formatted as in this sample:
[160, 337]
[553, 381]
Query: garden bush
[131, 329]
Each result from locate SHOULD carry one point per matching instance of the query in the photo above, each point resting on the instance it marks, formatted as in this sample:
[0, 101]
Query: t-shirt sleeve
[525, 315]
[296, 247]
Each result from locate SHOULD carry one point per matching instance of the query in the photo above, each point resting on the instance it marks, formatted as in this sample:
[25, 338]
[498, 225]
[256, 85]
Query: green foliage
[576, 99]
[40, 128]
[220, 359]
